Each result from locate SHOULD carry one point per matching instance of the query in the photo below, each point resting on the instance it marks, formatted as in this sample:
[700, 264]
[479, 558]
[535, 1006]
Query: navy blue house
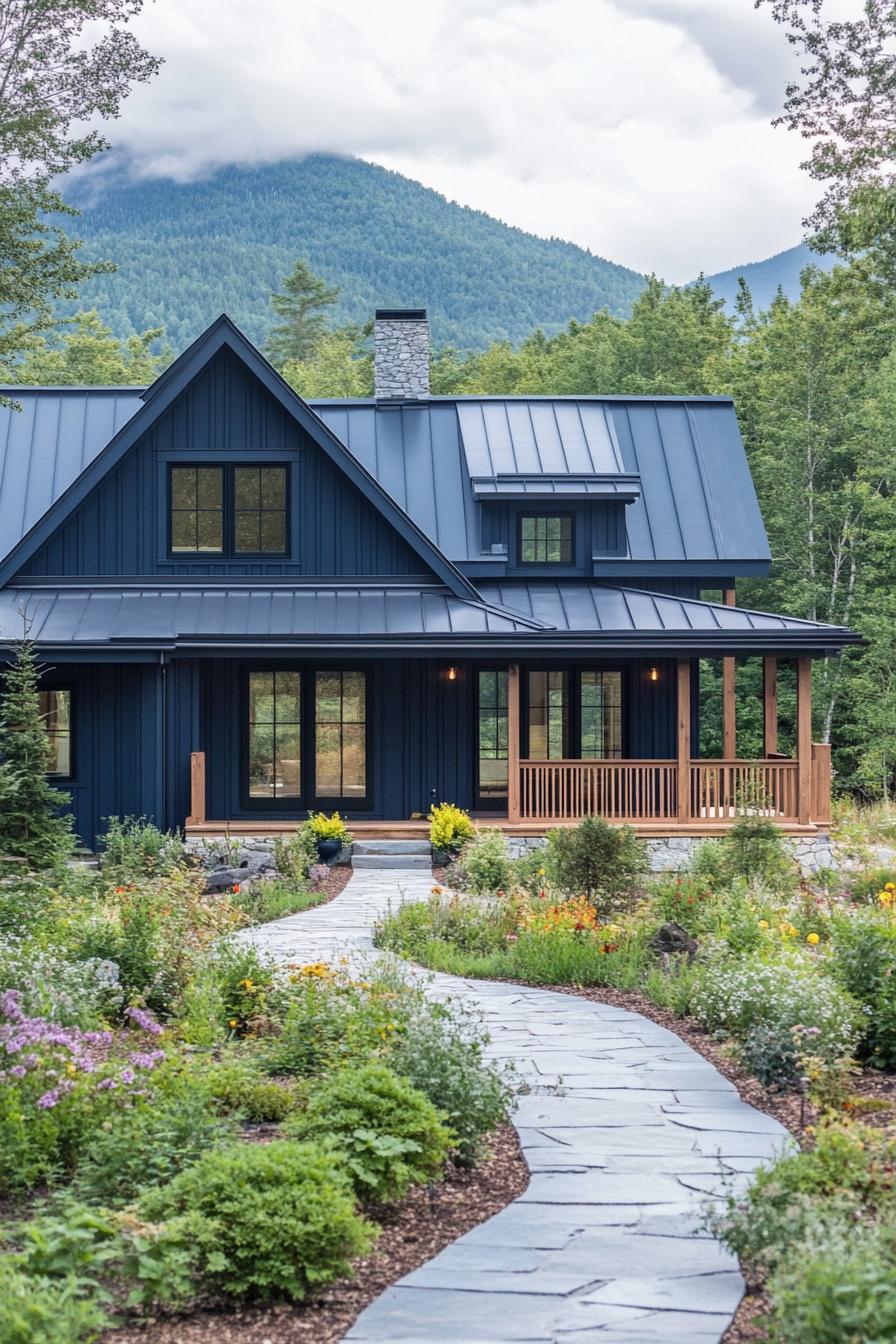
[250, 606]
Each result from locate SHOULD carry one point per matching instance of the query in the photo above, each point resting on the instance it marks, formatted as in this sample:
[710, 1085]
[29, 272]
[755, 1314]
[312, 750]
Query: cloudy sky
[637, 128]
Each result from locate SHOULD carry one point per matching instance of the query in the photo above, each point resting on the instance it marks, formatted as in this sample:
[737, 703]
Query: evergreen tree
[302, 308]
[31, 826]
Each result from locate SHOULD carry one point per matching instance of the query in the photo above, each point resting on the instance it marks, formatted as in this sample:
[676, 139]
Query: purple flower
[18, 1071]
[128, 1076]
[144, 1020]
[106, 1085]
[49, 1099]
[146, 1059]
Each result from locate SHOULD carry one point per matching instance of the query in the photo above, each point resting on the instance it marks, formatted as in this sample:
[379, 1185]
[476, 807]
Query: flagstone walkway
[626, 1131]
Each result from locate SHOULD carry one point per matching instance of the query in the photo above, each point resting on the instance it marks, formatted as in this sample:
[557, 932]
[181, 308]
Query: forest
[186, 252]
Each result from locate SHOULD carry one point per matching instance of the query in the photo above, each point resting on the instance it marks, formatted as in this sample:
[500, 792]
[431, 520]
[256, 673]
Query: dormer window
[546, 539]
[228, 511]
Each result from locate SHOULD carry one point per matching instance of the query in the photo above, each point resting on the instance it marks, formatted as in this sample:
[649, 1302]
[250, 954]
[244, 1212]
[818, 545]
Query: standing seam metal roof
[697, 501]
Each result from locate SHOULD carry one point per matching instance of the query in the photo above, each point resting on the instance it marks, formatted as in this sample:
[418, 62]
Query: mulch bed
[788, 1108]
[335, 882]
[413, 1232]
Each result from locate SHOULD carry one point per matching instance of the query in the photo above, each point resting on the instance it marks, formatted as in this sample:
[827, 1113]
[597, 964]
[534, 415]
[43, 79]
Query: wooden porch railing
[633, 790]
[618, 790]
[721, 789]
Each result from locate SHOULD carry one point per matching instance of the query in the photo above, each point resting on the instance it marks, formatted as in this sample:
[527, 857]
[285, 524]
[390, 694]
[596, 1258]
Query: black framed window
[275, 734]
[56, 713]
[197, 510]
[340, 734]
[259, 510]
[230, 510]
[600, 714]
[493, 736]
[546, 539]
[548, 703]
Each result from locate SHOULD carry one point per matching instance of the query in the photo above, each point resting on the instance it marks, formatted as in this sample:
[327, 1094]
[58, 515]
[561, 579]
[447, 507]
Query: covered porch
[528, 794]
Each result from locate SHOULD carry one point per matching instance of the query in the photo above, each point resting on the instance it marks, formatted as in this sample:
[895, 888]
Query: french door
[307, 738]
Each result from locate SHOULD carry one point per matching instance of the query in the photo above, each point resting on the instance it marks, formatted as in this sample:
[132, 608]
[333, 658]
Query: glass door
[491, 693]
[340, 738]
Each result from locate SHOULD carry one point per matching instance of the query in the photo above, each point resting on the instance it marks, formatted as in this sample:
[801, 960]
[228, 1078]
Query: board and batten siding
[224, 415]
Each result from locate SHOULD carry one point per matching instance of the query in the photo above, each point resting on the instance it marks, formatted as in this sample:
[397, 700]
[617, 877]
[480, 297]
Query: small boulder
[672, 940]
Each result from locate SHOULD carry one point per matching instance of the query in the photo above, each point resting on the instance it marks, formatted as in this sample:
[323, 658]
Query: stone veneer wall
[254, 854]
[672, 853]
[401, 357]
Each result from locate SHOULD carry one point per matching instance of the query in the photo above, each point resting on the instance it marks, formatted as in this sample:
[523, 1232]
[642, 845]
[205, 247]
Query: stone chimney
[400, 354]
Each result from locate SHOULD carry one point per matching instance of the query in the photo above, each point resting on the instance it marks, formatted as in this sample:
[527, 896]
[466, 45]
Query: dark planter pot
[328, 850]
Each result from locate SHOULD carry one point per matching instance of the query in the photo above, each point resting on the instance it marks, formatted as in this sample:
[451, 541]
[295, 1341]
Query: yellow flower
[890, 886]
[763, 923]
[234, 1022]
[813, 938]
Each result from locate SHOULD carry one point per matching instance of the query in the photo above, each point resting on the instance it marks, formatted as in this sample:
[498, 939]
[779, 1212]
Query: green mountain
[188, 251]
[765, 277]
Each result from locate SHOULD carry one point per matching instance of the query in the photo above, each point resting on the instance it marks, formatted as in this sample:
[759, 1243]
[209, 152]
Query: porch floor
[415, 830]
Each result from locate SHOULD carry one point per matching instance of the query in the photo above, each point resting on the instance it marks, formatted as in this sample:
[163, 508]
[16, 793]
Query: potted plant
[450, 828]
[330, 834]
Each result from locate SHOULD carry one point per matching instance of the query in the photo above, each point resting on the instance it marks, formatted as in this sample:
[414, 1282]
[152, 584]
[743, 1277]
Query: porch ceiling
[511, 619]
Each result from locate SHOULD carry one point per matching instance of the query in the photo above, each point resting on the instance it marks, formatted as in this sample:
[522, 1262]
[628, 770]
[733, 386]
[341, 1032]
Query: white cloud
[637, 128]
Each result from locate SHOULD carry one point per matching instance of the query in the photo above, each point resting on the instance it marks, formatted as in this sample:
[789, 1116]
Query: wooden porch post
[513, 742]
[684, 739]
[729, 701]
[770, 706]
[197, 788]
[804, 736]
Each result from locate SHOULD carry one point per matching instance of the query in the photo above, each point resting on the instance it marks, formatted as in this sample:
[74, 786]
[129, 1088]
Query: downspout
[163, 678]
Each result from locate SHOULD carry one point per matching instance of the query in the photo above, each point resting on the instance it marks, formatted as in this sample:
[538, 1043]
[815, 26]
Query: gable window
[234, 510]
[259, 519]
[56, 712]
[197, 509]
[545, 539]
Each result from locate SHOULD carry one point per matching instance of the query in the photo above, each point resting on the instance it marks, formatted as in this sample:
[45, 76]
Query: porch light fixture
[653, 674]
[452, 673]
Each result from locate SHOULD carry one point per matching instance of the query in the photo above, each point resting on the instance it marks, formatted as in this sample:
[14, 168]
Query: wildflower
[763, 923]
[235, 888]
[812, 939]
[436, 891]
[234, 1022]
[144, 1020]
[119, 891]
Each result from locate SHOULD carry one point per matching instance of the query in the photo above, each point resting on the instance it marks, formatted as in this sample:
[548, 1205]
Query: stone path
[626, 1131]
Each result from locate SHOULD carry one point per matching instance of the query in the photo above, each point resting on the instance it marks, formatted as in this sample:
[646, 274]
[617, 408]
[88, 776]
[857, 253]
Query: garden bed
[412, 1233]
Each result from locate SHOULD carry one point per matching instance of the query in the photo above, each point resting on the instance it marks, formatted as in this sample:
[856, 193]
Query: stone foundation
[670, 854]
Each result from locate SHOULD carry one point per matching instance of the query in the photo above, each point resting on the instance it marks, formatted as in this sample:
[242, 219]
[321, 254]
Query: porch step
[420, 863]
[391, 847]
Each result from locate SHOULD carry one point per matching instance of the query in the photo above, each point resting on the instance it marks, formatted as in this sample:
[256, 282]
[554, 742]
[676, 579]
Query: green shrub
[265, 1219]
[330, 1020]
[272, 898]
[449, 827]
[148, 1143]
[485, 865]
[323, 827]
[737, 995]
[528, 870]
[295, 854]
[595, 859]
[134, 848]
[237, 1088]
[470, 926]
[864, 952]
[39, 1310]
[564, 957]
[244, 979]
[770, 1051]
[754, 849]
[444, 1059]
[840, 1287]
[389, 1134]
